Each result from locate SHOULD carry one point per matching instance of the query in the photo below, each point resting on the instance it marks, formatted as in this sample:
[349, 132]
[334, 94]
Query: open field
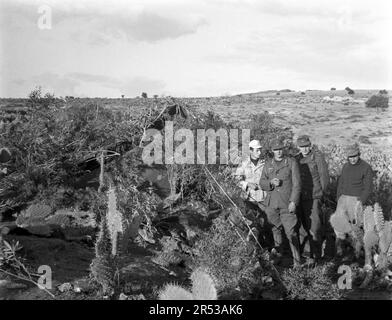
[326, 122]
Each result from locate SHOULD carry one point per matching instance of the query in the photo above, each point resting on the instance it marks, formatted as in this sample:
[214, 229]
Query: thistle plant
[104, 265]
[114, 220]
[203, 288]
[378, 236]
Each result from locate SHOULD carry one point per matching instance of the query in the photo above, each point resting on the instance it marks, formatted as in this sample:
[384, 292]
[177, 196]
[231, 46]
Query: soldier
[248, 173]
[281, 179]
[314, 181]
[354, 188]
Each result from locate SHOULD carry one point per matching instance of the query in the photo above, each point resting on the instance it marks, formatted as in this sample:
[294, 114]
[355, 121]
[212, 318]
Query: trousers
[281, 218]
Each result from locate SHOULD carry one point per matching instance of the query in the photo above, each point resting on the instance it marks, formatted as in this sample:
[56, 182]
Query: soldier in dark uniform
[281, 179]
[314, 182]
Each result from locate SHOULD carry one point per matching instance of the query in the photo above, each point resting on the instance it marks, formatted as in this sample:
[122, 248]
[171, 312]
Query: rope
[274, 270]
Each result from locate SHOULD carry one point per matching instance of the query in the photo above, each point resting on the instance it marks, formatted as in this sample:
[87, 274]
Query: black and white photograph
[225, 150]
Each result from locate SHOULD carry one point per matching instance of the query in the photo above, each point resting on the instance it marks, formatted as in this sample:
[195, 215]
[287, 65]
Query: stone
[65, 287]
[82, 285]
[137, 297]
[123, 297]
[72, 224]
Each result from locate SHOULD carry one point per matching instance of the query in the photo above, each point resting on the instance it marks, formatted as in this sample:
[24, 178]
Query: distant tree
[383, 91]
[378, 101]
[333, 89]
[349, 91]
[155, 96]
[37, 100]
[303, 93]
[122, 96]
[278, 93]
[144, 95]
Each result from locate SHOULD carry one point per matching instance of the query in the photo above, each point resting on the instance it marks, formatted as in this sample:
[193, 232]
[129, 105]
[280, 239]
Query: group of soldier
[283, 197]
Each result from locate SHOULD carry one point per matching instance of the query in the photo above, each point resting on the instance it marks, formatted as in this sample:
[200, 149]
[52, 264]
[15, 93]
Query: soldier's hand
[275, 182]
[292, 207]
[252, 186]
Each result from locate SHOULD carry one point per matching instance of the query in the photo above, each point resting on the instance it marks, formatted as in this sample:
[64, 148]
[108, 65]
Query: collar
[357, 164]
[283, 162]
[259, 163]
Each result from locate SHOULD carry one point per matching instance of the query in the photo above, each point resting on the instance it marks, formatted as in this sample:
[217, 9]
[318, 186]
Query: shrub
[383, 91]
[228, 258]
[333, 89]
[349, 91]
[310, 284]
[50, 148]
[37, 100]
[377, 101]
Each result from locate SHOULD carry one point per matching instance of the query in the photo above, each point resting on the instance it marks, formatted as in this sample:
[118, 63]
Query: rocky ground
[342, 120]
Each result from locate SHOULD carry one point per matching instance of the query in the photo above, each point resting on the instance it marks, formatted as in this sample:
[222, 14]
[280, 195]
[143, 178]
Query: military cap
[255, 144]
[352, 150]
[277, 144]
[303, 141]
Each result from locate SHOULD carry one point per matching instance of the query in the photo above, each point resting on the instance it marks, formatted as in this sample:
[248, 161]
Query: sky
[193, 48]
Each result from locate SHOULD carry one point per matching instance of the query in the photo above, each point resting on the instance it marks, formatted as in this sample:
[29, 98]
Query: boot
[315, 250]
[339, 248]
[296, 255]
[276, 256]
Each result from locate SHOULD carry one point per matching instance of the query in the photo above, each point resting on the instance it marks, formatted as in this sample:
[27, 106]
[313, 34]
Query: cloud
[312, 52]
[51, 82]
[152, 27]
[100, 23]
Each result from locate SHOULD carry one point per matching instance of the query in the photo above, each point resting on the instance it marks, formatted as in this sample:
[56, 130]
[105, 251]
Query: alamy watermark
[183, 146]
[45, 280]
[45, 19]
[345, 280]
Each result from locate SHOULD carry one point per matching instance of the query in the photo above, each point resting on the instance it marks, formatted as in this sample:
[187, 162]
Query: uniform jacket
[314, 175]
[289, 190]
[248, 172]
[356, 180]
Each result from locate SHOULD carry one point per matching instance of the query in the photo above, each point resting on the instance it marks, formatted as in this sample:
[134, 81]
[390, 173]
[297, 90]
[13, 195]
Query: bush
[36, 98]
[383, 91]
[228, 258]
[310, 284]
[377, 101]
[349, 91]
[50, 148]
[333, 89]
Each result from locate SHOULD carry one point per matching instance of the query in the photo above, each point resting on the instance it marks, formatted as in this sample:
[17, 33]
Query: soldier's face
[305, 150]
[255, 153]
[278, 153]
[353, 160]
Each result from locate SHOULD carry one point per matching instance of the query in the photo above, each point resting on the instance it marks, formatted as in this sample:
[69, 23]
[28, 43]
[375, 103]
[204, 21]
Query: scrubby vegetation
[380, 101]
[349, 91]
[311, 283]
[80, 159]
